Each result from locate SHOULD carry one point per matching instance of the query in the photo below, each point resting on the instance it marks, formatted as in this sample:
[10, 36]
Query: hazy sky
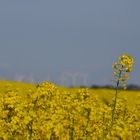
[52, 40]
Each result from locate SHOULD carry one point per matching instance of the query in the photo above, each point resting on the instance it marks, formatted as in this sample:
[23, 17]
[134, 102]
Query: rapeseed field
[46, 111]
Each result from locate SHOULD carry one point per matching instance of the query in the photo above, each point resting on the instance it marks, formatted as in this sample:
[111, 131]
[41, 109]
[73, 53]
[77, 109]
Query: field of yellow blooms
[46, 111]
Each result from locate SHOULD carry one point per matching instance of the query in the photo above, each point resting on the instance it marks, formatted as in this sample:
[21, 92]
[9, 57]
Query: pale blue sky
[48, 40]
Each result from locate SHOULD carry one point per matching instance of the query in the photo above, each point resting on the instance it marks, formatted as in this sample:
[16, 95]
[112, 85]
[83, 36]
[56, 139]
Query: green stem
[35, 102]
[85, 131]
[30, 130]
[103, 125]
[116, 94]
[72, 130]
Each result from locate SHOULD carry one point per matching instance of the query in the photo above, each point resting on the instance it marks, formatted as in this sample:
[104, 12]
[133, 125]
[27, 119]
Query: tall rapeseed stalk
[121, 69]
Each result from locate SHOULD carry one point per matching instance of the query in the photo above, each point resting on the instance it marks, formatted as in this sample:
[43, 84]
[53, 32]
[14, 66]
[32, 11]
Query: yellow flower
[122, 67]
[115, 73]
[126, 76]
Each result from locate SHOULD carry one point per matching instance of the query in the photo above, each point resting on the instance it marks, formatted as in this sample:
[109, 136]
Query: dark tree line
[129, 87]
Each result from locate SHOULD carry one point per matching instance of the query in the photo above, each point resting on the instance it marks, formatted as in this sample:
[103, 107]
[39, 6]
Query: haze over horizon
[68, 42]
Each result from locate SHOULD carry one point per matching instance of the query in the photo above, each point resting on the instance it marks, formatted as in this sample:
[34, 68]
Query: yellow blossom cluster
[49, 112]
[122, 68]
